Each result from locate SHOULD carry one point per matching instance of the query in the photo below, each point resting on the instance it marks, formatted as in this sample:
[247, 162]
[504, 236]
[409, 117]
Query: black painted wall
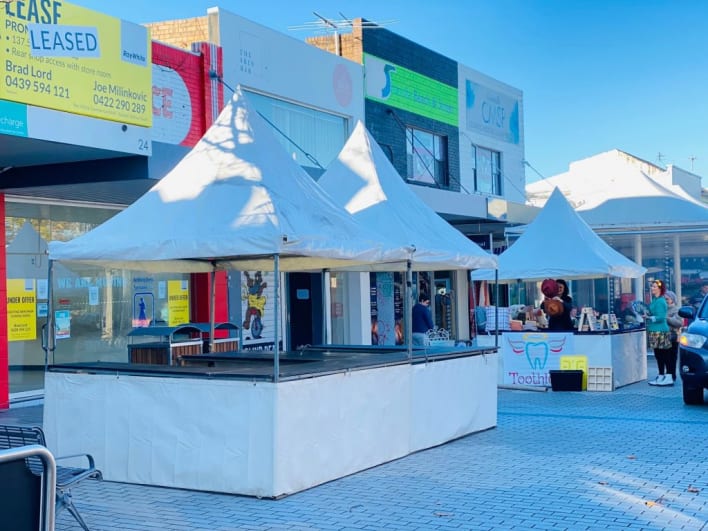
[384, 127]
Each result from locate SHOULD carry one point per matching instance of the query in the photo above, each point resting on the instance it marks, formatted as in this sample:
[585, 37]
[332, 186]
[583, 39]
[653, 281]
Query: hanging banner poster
[62, 324]
[178, 302]
[385, 323]
[143, 309]
[258, 310]
[21, 309]
[65, 57]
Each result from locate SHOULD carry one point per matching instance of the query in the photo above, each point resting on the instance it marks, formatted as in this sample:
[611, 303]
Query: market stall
[236, 201]
[529, 353]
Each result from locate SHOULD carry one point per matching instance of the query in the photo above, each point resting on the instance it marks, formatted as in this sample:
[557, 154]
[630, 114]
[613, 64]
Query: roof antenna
[692, 159]
[335, 26]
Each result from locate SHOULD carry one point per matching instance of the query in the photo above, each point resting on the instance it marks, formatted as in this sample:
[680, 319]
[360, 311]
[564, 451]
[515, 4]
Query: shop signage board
[530, 356]
[491, 112]
[399, 87]
[68, 58]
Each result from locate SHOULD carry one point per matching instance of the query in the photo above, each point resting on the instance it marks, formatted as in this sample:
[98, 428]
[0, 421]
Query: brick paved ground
[636, 458]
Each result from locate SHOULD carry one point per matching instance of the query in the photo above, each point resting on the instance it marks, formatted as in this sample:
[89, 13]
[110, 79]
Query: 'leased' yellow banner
[69, 58]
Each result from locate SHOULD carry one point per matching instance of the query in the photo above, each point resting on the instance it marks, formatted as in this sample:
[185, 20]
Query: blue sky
[596, 75]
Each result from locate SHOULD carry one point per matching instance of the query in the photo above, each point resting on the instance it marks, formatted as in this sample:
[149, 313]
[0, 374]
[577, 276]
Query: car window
[703, 311]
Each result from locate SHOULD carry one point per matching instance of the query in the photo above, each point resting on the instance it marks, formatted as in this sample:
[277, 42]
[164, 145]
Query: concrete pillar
[677, 268]
[462, 304]
[359, 308]
[638, 282]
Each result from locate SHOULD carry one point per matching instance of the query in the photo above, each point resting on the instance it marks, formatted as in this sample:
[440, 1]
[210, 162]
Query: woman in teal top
[659, 333]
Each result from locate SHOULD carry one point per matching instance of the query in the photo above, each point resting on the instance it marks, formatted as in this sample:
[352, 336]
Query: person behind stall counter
[563, 321]
[422, 320]
[555, 306]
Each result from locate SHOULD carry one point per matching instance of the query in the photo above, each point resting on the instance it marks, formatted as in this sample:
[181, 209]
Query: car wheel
[692, 395]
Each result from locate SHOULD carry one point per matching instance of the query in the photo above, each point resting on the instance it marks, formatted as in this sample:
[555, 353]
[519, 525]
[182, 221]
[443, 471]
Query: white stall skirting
[262, 438]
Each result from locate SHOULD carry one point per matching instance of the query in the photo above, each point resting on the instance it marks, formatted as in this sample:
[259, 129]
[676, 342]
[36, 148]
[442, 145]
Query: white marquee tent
[559, 244]
[365, 183]
[235, 201]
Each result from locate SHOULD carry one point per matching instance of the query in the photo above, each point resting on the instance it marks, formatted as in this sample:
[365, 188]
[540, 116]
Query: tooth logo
[537, 355]
[537, 348]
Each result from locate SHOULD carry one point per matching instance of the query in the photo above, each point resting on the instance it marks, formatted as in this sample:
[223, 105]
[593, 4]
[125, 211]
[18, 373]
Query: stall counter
[527, 357]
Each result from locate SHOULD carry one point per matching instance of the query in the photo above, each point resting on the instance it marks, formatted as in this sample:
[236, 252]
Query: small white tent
[236, 200]
[559, 244]
[363, 181]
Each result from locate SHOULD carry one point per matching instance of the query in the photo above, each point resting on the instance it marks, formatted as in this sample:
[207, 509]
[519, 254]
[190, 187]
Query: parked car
[693, 352]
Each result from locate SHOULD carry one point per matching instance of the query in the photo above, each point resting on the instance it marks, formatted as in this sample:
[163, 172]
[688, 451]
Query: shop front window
[93, 309]
[312, 137]
[486, 168]
[426, 157]
[444, 302]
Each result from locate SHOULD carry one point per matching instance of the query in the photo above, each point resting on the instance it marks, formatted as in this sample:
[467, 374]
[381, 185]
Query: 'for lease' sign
[65, 57]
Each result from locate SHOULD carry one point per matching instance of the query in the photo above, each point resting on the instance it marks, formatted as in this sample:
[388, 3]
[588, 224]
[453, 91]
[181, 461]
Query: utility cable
[214, 75]
[403, 127]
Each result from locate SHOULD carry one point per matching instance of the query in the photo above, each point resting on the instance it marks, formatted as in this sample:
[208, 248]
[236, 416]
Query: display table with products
[526, 357]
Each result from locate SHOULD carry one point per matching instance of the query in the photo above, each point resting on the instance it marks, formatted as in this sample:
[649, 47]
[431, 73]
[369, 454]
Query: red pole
[4, 345]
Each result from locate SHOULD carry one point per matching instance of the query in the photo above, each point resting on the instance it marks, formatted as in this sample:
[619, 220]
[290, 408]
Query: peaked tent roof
[610, 191]
[559, 244]
[235, 200]
[365, 183]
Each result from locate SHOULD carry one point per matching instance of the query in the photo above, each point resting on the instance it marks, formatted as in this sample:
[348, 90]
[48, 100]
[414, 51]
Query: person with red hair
[659, 333]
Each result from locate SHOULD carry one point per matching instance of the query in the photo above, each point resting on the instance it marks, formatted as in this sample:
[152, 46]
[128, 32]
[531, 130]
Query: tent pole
[49, 345]
[610, 299]
[276, 321]
[496, 306]
[326, 311]
[212, 309]
[408, 309]
[473, 332]
[239, 315]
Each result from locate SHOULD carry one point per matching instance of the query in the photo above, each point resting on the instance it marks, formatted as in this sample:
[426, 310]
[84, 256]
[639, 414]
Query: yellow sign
[21, 309]
[576, 363]
[69, 58]
[178, 302]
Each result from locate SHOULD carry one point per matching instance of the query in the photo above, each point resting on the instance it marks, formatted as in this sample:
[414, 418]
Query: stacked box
[600, 379]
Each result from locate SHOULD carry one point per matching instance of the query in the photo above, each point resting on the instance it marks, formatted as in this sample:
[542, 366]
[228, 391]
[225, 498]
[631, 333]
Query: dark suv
[693, 352]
